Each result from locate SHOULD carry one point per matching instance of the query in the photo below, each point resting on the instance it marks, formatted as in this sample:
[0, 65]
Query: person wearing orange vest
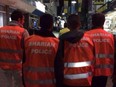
[11, 51]
[40, 50]
[75, 57]
[104, 51]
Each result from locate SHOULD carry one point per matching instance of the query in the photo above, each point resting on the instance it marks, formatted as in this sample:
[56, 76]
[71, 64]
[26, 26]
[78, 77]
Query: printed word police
[42, 44]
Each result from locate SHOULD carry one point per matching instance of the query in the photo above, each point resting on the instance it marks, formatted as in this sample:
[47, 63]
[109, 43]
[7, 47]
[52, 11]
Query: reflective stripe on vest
[104, 66]
[78, 64]
[9, 60]
[104, 56]
[50, 81]
[10, 51]
[39, 69]
[78, 76]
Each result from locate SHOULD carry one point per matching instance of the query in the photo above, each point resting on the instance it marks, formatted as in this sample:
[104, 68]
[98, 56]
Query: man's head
[73, 22]
[18, 16]
[98, 20]
[46, 22]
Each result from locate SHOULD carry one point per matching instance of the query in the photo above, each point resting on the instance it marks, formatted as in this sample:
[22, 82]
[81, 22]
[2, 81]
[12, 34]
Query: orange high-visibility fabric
[11, 52]
[39, 65]
[104, 51]
[81, 55]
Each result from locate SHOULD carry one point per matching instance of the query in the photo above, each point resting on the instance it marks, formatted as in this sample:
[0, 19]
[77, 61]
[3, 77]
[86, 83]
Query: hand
[113, 77]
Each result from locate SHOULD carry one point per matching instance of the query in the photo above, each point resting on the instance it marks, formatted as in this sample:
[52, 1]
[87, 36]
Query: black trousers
[99, 81]
[114, 85]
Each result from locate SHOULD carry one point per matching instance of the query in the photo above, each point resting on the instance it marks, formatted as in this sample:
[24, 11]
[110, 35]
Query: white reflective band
[7, 60]
[50, 81]
[39, 69]
[78, 64]
[77, 76]
[11, 51]
[104, 56]
[104, 66]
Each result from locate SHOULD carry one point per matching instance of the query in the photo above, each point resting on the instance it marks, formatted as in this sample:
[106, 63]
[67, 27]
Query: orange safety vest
[104, 51]
[78, 62]
[39, 65]
[11, 52]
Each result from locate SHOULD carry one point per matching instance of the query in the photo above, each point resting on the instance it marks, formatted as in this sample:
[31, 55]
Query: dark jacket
[114, 73]
[72, 37]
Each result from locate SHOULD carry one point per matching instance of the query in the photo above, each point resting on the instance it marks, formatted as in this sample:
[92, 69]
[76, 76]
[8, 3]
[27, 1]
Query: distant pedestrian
[64, 30]
[41, 48]
[104, 51]
[11, 51]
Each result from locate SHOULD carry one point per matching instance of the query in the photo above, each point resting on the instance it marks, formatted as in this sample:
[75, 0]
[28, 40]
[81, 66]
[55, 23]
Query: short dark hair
[73, 21]
[98, 19]
[16, 14]
[46, 21]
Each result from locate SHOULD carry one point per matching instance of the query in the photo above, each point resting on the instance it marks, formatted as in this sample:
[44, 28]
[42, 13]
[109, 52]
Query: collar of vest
[15, 23]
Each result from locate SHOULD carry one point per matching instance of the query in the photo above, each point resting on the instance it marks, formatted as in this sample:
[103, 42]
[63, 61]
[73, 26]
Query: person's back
[11, 50]
[73, 63]
[104, 51]
[40, 51]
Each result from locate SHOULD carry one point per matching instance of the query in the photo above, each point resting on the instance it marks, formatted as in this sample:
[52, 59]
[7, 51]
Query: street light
[73, 2]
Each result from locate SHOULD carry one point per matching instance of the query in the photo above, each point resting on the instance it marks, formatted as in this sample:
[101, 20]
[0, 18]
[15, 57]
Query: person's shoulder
[54, 39]
[86, 36]
[106, 32]
[91, 30]
[2, 27]
[64, 30]
[30, 37]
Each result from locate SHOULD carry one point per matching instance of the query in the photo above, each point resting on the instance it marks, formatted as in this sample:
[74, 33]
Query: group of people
[75, 59]
[85, 59]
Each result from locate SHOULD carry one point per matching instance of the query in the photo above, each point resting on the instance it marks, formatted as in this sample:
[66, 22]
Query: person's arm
[25, 34]
[114, 69]
[58, 65]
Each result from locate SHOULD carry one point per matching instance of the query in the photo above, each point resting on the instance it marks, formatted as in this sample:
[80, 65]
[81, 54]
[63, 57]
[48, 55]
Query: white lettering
[46, 44]
[85, 38]
[10, 31]
[83, 45]
[8, 37]
[101, 40]
[100, 34]
[41, 51]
